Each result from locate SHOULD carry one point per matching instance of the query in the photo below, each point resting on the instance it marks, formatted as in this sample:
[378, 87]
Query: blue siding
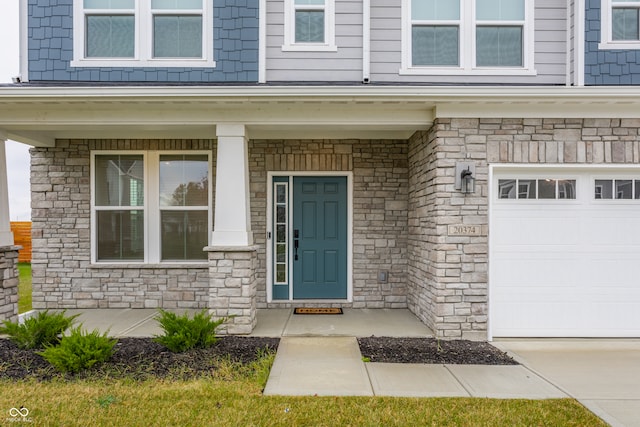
[606, 67]
[235, 36]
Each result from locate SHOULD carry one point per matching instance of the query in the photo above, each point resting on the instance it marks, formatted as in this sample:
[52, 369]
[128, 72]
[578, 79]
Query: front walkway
[127, 322]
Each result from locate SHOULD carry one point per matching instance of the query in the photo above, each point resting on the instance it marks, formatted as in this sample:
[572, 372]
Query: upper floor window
[620, 24]
[309, 25]
[149, 33]
[468, 37]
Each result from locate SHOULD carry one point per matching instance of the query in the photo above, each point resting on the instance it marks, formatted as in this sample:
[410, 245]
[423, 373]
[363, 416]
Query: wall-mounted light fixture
[465, 177]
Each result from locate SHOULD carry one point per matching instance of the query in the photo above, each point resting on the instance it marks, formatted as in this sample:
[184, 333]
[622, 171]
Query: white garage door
[565, 253]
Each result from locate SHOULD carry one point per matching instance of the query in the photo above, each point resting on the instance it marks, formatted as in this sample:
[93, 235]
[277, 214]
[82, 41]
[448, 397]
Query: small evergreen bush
[79, 350]
[43, 329]
[182, 333]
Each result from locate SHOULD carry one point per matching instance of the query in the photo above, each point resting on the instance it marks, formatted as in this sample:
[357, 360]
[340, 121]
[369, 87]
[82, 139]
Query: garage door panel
[565, 269]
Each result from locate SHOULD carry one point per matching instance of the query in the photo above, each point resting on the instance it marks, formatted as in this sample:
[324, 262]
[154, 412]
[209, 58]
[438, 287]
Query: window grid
[625, 188]
[537, 189]
[281, 233]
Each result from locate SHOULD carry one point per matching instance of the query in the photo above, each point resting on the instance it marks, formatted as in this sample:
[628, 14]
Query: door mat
[317, 310]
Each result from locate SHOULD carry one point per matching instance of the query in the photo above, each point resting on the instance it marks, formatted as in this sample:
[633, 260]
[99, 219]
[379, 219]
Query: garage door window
[537, 189]
[618, 189]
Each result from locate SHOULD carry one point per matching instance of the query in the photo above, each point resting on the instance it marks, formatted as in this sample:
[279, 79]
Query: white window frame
[606, 27]
[143, 42]
[329, 44]
[151, 207]
[467, 45]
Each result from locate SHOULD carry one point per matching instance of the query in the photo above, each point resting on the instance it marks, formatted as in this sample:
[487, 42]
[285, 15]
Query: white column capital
[231, 130]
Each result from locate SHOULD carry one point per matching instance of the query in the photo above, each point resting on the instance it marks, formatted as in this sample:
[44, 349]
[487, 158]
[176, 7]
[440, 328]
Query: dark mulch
[429, 350]
[142, 358]
[138, 358]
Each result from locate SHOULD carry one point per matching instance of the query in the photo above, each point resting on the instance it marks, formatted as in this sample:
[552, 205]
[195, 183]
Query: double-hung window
[620, 24]
[143, 33]
[309, 25]
[468, 37]
[150, 207]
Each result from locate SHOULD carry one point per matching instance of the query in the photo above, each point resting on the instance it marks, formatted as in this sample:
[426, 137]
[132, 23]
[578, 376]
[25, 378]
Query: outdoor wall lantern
[465, 179]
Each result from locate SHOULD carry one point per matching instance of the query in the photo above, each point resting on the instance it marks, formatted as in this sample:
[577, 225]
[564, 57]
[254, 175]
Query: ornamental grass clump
[182, 333]
[39, 331]
[79, 350]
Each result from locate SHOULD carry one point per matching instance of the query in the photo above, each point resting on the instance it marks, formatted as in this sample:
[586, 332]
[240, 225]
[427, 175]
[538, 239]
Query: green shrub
[79, 350]
[182, 333]
[39, 331]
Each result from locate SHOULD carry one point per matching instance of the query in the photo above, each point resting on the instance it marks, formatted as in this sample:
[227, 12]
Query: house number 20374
[464, 230]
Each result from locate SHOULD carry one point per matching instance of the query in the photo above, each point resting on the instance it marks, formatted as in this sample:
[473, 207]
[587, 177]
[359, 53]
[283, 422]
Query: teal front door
[319, 237]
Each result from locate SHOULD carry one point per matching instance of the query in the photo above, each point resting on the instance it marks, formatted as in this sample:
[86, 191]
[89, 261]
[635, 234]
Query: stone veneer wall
[63, 276]
[9, 280]
[448, 275]
[380, 197]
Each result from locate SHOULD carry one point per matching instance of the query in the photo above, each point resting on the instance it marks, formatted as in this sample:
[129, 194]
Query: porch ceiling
[40, 115]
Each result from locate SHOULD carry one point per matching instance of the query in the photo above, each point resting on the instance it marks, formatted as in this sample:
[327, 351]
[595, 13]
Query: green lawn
[211, 402]
[24, 288]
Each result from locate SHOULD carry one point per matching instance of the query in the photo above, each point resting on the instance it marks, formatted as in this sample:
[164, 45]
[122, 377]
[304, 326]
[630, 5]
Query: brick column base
[232, 292]
[9, 283]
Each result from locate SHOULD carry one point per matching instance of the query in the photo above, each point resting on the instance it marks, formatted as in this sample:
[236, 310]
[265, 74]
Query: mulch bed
[430, 350]
[142, 358]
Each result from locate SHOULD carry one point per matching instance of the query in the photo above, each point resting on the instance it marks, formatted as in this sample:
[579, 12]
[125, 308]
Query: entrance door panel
[320, 249]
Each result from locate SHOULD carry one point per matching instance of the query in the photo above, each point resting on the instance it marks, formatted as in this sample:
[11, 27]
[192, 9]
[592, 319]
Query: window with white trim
[482, 37]
[143, 33]
[620, 24]
[559, 189]
[616, 189]
[309, 25]
[150, 207]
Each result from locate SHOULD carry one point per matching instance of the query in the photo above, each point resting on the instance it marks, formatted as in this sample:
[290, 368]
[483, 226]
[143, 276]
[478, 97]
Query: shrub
[79, 350]
[39, 331]
[182, 333]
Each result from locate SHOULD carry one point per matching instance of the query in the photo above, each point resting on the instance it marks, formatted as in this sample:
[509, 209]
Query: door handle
[296, 243]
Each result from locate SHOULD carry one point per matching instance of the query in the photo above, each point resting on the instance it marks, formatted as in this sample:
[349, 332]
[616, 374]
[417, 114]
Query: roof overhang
[39, 115]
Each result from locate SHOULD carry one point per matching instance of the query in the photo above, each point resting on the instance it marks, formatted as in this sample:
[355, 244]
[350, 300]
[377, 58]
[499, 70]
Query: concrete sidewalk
[333, 366]
[602, 374]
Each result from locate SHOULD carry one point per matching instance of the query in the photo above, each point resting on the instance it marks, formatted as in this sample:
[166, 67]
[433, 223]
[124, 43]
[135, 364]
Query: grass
[233, 397]
[24, 287]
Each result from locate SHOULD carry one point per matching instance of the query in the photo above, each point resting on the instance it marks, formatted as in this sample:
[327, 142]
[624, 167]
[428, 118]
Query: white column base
[232, 238]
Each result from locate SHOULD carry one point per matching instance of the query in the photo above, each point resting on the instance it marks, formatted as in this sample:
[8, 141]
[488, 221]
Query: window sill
[139, 63]
[140, 266]
[619, 45]
[309, 48]
[454, 71]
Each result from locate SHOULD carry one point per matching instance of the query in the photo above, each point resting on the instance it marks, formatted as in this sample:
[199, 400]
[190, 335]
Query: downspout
[23, 40]
[262, 42]
[366, 40]
[569, 57]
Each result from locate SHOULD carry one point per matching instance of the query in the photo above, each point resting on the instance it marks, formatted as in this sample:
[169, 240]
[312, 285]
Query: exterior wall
[345, 65]
[235, 34]
[448, 275]
[63, 276]
[9, 280]
[606, 67]
[380, 196]
[550, 47]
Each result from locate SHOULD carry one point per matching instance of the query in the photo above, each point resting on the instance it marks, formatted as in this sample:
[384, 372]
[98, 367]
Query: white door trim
[269, 232]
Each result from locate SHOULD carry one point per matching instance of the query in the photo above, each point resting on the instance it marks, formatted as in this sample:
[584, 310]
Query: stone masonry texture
[403, 202]
[63, 276]
[9, 283]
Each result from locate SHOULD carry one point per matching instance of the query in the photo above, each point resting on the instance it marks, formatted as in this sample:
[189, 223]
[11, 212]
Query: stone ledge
[252, 248]
[12, 248]
[168, 266]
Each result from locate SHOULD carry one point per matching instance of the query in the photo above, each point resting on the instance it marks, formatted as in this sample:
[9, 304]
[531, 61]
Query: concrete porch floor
[127, 322]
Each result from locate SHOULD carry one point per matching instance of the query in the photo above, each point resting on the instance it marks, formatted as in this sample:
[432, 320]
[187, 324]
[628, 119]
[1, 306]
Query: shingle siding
[235, 33]
[606, 67]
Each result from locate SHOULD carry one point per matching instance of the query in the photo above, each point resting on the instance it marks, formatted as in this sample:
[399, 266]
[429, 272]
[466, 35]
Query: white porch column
[232, 213]
[6, 236]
